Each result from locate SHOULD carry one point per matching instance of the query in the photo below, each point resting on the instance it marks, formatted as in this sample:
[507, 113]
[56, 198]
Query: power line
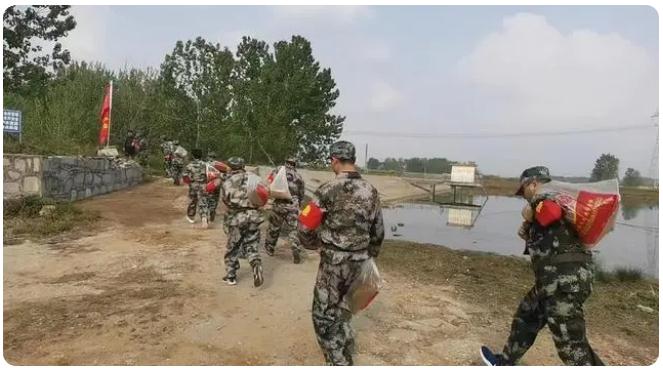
[492, 135]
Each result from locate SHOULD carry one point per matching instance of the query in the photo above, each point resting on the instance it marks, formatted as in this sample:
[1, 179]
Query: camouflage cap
[540, 173]
[211, 154]
[291, 160]
[343, 150]
[236, 163]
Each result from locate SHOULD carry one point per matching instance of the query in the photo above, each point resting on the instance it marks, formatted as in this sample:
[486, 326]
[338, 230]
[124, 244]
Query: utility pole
[653, 165]
[366, 158]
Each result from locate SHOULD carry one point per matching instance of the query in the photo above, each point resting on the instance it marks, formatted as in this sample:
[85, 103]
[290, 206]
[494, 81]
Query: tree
[632, 178]
[200, 71]
[301, 96]
[25, 65]
[606, 167]
[373, 163]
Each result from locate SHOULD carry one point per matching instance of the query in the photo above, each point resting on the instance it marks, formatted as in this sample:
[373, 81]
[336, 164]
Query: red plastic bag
[365, 287]
[213, 185]
[258, 192]
[590, 207]
[311, 216]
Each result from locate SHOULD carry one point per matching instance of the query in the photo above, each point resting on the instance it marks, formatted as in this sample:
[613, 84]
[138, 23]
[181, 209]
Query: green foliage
[373, 163]
[24, 63]
[260, 105]
[606, 167]
[632, 178]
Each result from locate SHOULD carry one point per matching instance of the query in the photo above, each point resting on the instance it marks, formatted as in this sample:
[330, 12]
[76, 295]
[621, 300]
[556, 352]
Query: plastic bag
[279, 187]
[591, 208]
[258, 192]
[365, 287]
[180, 151]
[211, 172]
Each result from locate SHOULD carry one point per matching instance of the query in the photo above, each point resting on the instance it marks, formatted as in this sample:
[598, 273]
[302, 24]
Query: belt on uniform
[333, 247]
[571, 257]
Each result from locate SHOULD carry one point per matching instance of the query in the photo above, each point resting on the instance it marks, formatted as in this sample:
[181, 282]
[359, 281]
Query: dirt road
[146, 289]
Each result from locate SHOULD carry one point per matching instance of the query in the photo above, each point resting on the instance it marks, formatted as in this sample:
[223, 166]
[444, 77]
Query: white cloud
[384, 97]
[541, 75]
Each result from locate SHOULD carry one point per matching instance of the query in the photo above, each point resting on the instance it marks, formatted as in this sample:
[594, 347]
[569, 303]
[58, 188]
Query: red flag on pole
[106, 107]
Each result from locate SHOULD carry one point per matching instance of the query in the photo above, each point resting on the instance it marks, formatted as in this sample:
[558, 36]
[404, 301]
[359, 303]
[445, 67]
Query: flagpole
[110, 111]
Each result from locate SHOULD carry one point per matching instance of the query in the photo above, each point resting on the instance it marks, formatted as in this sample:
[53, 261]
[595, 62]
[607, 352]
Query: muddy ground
[145, 288]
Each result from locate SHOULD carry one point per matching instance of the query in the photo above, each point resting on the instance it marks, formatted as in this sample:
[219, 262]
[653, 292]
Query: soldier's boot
[212, 215]
[490, 358]
[191, 220]
[296, 257]
[257, 275]
[230, 280]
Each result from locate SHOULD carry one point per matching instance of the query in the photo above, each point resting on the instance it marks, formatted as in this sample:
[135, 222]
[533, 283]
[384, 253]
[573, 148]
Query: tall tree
[632, 178]
[606, 167]
[25, 62]
[201, 71]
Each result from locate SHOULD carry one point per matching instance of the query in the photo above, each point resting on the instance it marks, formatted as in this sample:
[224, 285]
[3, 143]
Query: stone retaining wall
[66, 178]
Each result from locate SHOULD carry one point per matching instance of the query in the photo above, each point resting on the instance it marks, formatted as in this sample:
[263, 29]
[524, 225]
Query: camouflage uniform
[285, 212]
[167, 148]
[177, 165]
[351, 233]
[196, 171]
[213, 198]
[241, 224]
[564, 273]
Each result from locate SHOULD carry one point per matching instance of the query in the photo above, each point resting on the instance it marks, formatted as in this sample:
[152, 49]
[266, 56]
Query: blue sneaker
[490, 358]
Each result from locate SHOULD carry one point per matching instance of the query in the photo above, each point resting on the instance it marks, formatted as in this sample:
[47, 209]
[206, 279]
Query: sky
[469, 83]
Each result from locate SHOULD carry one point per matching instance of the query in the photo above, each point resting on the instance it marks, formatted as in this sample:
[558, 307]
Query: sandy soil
[146, 289]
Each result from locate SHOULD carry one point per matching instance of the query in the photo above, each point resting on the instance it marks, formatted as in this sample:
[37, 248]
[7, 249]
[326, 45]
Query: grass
[612, 309]
[22, 218]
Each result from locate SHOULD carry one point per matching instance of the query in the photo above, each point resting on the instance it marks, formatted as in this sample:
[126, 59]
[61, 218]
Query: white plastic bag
[180, 151]
[279, 187]
[591, 208]
[365, 287]
[257, 190]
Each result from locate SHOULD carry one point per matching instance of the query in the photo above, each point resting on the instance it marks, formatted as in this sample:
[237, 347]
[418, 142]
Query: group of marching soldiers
[351, 231]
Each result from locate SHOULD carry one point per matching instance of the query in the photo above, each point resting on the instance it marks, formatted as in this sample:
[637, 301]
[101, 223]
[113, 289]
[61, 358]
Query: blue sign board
[12, 122]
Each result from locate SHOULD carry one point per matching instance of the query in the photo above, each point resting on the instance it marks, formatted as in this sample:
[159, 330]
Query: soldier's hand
[523, 231]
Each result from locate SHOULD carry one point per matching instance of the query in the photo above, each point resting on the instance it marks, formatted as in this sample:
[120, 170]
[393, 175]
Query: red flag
[105, 115]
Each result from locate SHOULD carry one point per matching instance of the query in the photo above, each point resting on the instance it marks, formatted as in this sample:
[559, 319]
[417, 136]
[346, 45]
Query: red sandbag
[590, 207]
[213, 185]
[311, 216]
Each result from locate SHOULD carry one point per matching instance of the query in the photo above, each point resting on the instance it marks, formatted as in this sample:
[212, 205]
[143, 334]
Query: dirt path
[147, 290]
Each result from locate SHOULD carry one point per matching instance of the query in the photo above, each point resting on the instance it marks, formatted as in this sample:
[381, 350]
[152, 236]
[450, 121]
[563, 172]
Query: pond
[632, 244]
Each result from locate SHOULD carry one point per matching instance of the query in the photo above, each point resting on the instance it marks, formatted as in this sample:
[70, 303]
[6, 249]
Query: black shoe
[269, 251]
[212, 215]
[257, 275]
[230, 280]
[296, 258]
[492, 359]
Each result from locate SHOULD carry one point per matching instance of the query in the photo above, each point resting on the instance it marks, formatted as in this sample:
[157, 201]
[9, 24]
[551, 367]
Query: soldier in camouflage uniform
[196, 175]
[176, 164]
[213, 198]
[563, 272]
[350, 234]
[241, 224]
[285, 212]
[167, 148]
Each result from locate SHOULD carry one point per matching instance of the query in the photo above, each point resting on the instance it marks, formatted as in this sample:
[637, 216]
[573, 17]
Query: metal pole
[366, 158]
[110, 111]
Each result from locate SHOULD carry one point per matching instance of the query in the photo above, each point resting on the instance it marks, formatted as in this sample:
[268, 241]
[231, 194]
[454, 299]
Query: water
[633, 243]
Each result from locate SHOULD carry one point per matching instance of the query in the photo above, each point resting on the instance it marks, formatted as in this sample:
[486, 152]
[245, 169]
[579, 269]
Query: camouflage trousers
[243, 232]
[213, 203]
[563, 313]
[283, 216]
[331, 312]
[198, 199]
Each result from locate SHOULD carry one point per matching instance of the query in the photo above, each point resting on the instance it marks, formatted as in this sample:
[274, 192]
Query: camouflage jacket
[352, 225]
[235, 196]
[167, 148]
[295, 185]
[196, 171]
[559, 259]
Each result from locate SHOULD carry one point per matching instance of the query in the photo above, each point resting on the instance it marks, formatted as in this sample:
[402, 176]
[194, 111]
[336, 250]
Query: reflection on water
[633, 243]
